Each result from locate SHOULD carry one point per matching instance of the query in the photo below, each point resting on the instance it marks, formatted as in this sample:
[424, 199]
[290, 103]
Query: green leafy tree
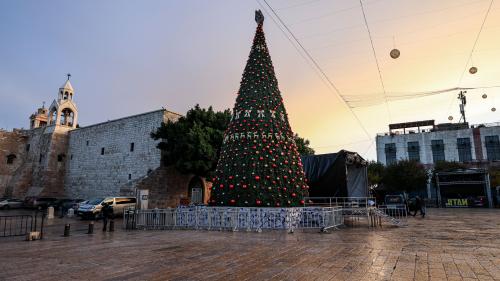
[375, 174]
[303, 145]
[259, 164]
[405, 176]
[192, 144]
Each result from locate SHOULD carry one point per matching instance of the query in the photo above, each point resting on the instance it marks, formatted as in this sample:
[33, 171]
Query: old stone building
[57, 158]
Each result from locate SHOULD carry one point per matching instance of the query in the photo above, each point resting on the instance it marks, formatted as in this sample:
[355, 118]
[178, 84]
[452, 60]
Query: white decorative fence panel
[233, 218]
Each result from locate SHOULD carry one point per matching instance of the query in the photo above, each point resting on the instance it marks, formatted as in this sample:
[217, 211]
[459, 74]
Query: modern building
[476, 146]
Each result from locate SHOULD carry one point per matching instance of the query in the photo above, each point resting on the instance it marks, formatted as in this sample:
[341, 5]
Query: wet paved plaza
[449, 244]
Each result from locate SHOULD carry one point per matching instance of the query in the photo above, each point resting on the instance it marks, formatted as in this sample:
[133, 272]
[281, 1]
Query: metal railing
[344, 202]
[399, 212]
[233, 218]
[21, 225]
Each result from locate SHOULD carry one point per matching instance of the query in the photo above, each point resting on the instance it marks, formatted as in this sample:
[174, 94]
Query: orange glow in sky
[128, 57]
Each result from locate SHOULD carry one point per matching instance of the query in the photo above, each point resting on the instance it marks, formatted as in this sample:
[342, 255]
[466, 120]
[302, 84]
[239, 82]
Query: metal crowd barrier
[21, 225]
[398, 212]
[344, 202]
[234, 218]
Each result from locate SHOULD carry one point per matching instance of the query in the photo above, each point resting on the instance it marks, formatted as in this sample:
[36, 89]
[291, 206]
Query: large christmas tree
[259, 164]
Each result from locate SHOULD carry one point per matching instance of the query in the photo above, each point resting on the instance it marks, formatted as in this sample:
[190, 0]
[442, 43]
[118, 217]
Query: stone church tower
[39, 166]
[63, 111]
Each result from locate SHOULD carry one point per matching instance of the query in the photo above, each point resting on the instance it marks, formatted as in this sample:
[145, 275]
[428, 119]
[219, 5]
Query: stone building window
[41, 157]
[129, 176]
[413, 151]
[87, 143]
[71, 157]
[390, 153]
[131, 147]
[61, 157]
[28, 147]
[492, 144]
[11, 158]
[437, 147]
[464, 150]
[102, 151]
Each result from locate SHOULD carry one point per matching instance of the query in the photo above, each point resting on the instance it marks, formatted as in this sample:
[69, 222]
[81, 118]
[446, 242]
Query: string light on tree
[473, 70]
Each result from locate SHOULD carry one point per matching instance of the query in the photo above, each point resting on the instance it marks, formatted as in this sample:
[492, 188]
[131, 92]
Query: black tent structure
[342, 174]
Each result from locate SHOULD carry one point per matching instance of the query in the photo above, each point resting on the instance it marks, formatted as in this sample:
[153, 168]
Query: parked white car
[11, 204]
[93, 208]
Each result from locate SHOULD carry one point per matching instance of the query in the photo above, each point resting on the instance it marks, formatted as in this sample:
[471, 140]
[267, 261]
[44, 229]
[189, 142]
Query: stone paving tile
[451, 244]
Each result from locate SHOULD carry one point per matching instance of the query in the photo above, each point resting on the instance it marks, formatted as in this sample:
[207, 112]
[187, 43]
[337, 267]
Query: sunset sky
[129, 57]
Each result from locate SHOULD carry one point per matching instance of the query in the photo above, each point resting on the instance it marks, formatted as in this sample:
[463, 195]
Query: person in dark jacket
[419, 206]
[107, 214]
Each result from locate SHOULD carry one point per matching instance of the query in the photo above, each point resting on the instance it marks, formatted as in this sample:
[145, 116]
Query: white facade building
[449, 142]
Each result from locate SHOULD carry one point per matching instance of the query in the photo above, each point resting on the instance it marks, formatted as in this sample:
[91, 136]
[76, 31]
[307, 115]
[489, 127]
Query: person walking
[107, 213]
[419, 206]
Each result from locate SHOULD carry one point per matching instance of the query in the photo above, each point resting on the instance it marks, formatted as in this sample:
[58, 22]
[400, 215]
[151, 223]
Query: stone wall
[11, 143]
[167, 188]
[101, 159]
[39, 166]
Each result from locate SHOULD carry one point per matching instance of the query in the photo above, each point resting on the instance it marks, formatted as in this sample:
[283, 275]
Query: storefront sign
[457, 203]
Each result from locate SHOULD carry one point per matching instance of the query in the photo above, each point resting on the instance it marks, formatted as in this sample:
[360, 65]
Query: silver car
[92, 209]
[11, 204]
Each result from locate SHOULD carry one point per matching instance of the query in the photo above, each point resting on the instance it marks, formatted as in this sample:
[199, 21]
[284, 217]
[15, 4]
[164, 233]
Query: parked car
[479, 201]
[39, 202]
[394, 199]
[11, 204]
[93, 208]
[67, 203]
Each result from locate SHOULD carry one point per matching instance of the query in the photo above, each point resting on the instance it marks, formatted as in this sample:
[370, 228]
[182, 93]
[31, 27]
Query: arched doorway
[196, 190]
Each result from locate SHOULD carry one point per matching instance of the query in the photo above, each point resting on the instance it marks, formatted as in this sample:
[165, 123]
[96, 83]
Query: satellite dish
[484, 96]
[493, 109]
[473, 70]
[450, 117]
[395, 53]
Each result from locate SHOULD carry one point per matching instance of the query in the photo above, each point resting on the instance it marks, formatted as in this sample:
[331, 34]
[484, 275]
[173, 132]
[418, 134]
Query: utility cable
[330, 83]
[376, 60]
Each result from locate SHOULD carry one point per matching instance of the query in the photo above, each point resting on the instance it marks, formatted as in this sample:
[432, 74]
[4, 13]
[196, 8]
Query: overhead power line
[376, 61]
[357, 101]
[475, 42]
[320, 70]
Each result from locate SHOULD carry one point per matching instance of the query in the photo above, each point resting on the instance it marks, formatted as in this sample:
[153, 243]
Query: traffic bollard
[66, 229]
[91, 228]
[111, 225]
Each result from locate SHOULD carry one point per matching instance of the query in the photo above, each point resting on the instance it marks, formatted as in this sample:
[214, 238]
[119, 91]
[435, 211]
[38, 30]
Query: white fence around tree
[344, 202]
[234, 218]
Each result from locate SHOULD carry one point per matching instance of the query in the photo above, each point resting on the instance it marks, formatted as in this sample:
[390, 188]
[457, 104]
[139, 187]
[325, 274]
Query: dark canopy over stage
[342, 174]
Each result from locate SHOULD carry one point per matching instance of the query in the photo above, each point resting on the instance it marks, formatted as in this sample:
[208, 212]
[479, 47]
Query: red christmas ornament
[231, 186]
[257, 178]
[302, 202]
[232, 201]
[294, 195]
[258, 202]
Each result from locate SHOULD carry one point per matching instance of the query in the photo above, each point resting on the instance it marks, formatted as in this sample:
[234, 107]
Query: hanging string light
[472, 69]
[484, 96]
[394, 52]
[450, 117]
